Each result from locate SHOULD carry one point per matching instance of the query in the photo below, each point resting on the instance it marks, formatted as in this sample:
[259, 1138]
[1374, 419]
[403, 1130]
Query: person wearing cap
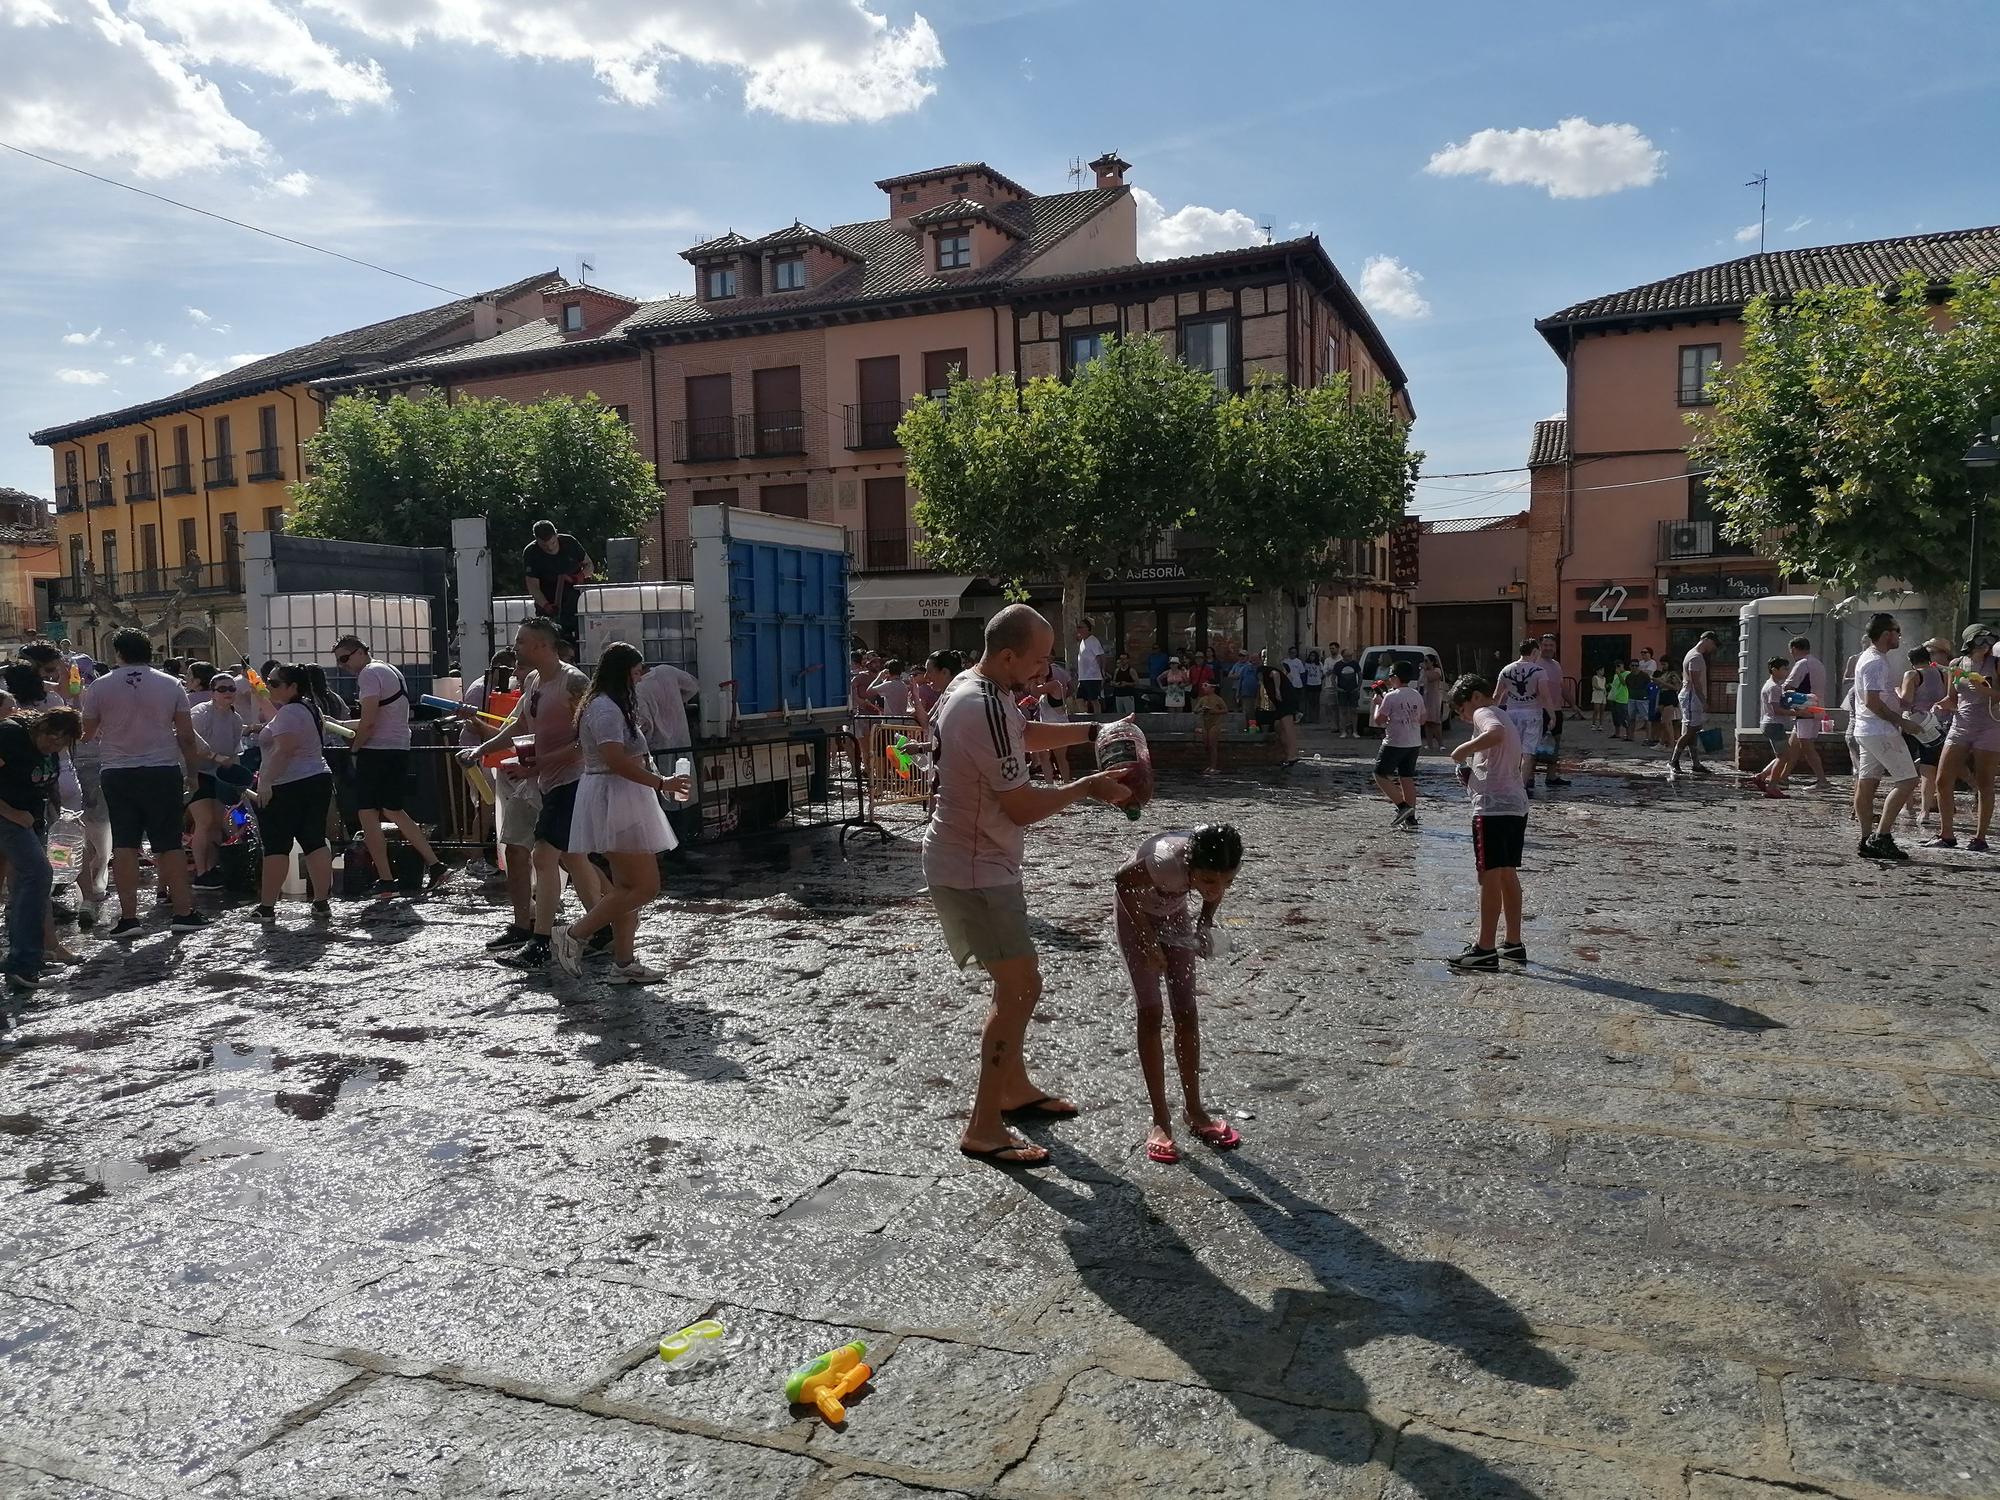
[220, 726]
[1973, 742]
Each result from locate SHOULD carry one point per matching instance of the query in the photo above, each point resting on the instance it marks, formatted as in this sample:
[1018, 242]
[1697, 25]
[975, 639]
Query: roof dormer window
[721, 282]
[954, 251]
[572, 317]
[788, 273]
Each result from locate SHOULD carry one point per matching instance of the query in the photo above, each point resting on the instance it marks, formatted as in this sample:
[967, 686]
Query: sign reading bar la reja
[1695, 586]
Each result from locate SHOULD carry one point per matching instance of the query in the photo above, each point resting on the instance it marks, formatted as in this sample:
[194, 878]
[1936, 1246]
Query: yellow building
[152, 502]
[27, 555]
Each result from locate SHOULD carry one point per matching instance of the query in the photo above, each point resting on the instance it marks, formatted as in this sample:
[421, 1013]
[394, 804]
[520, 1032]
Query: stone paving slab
[1670, 1214]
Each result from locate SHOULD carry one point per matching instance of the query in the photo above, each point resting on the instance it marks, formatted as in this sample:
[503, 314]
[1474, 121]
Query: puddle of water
[323, 1081]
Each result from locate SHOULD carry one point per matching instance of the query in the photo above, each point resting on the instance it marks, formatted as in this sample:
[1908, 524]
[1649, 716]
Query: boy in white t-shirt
[1490, 765]
[1399, 714]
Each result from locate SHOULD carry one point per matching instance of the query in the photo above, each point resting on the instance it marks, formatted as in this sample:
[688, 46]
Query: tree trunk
[1074, 584]
[1274, 624]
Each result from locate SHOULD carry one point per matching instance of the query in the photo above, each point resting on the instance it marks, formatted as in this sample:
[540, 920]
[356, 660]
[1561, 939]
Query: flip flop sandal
[1003, 1156]
[1038, 1109]
[1221, 1135]
[1167, 1154]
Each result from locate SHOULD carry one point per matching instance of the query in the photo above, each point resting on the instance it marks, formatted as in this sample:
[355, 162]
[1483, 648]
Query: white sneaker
[568, 952]
[636, 972]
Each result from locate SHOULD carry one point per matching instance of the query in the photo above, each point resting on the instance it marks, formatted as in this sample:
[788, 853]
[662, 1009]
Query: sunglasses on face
[341, 658]
[222, 690]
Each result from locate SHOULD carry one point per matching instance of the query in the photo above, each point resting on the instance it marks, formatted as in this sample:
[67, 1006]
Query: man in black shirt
[556, 563]
[29, 746]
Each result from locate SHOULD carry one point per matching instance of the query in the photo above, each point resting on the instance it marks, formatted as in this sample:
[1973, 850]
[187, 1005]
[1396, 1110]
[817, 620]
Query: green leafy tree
[1834, 443]
[1296, 470]
[1064, 480]
[399, 471]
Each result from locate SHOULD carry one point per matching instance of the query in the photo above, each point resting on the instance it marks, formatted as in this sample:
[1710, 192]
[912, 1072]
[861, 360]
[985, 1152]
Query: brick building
[780, 382]
[1625, 548]
[1471, 590]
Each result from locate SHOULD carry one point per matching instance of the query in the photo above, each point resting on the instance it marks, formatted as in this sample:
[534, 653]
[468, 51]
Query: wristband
[1091, 731]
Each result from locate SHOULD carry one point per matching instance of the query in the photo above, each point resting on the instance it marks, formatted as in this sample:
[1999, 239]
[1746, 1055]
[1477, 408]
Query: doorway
[1605, 653]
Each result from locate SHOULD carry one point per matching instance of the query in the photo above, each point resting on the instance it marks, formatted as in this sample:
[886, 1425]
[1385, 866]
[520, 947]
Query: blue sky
[1493, 162]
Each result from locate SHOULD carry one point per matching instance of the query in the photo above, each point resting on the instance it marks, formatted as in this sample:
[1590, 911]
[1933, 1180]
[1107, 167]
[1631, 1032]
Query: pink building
[1472, 590]
[780, 382]
[1625, 550]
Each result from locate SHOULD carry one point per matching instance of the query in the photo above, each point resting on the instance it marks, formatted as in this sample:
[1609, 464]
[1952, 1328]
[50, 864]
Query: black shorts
[1497, 841]
[205, 789]
[552, 823]
[378, 779]
[1556, 731]
[1089, 690]
[1922, 754]
[296, 814]
[144, 806]
[1398, 760]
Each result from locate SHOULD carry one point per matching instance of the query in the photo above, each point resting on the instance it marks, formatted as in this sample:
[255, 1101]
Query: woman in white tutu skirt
[618, 815]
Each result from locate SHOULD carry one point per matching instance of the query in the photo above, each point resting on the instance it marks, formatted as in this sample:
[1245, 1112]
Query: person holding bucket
[1694, 703]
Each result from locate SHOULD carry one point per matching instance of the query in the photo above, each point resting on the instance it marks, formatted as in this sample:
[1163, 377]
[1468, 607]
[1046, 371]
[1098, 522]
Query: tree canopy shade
[1054, 479]
[398, 471]
[1297, 469]
[1836, 442]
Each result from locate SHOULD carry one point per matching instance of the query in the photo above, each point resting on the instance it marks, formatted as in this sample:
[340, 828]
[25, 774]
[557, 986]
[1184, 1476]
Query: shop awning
[909, 596]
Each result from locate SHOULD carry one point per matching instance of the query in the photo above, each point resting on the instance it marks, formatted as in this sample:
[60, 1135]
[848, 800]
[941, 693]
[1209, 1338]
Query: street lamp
[1982, 456]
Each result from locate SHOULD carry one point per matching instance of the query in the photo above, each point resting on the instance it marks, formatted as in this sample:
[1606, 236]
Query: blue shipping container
[788, 607]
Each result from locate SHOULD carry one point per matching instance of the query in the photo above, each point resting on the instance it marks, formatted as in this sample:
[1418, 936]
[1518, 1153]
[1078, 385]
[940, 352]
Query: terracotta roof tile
[1551, 444]
[1730, 286]
[965, 208]
[717, 246]
[963, 168]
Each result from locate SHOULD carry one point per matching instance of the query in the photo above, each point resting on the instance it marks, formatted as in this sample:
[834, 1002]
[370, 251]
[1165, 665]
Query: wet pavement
[1702, 1205]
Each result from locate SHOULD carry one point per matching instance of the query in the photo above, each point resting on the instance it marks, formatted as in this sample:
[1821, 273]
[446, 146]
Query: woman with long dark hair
[294, 786]
[618, 815]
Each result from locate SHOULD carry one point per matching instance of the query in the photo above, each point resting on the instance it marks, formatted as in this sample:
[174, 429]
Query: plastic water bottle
[1124, 744]
[685, 767]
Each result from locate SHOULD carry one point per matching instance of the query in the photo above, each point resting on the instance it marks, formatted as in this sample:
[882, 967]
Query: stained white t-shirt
[980, 752]
[380, 681]
[1495, 787]
[662, 696]
[1402, 718]
[1874, 672]
[135, 708]
[1090, 659]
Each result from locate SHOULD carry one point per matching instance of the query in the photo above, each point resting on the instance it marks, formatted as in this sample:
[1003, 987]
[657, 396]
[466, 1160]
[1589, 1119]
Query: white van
[1376, 662]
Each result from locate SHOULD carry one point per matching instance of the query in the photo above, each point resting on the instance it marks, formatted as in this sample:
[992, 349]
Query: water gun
[900, 754]
[684, 1344]
[452, 705]
[833, 1375]
[1805, 705]
[1961, 674]
[75, 684]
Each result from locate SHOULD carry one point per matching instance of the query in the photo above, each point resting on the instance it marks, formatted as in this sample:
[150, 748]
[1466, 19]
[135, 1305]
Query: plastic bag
[66, 848]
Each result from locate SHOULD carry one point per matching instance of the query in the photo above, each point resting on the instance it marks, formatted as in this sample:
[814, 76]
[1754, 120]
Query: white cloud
[196, 315]
[818, 60]
[1748, 233]
[82, 377]
[258, 36]
[128, 359]
[292, 184]
[83, 338]
[1574, 160]
[156, 351]
[1192, 230]
[1797, 224]
[1390, 288]
[192, 366]
[63, 68]
[237, 361]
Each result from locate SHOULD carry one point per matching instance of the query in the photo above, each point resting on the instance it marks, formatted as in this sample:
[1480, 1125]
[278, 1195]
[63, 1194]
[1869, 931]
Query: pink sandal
[1220, 1134]
[1166, 1153]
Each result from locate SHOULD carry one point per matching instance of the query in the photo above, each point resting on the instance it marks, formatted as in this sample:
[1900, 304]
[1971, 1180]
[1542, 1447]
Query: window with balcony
[938, 367]
[778, 418]
[190, 552]
[232, 550]
[274, 518]
[1208, 345]
[872, 421]
[788, 273]
[263, 460]
[572, 317]
[107, 552]
[721, 282]
[76, 557]
[954, 251]
[103, 460]
[708, 434]
[177, 478]
[1698, 366]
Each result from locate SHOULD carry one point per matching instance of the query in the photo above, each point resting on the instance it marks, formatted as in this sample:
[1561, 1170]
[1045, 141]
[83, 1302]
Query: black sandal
[1038, 1109]
[1002, 1156]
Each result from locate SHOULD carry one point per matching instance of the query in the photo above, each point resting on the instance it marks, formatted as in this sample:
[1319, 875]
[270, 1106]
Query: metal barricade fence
[892, 768]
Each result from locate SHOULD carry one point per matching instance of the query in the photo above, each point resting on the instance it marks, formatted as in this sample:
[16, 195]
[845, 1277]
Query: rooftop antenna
[1762, 183]
[1075, 172]
[583, 270]
[1269, 237]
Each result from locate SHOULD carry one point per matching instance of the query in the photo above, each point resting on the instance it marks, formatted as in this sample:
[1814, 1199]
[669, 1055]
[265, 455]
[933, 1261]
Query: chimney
[485, 317]
[1111, 169]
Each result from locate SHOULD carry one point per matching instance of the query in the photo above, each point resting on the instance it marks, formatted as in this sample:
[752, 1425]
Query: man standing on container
[972, 861]
[382, 762]
[555, 563]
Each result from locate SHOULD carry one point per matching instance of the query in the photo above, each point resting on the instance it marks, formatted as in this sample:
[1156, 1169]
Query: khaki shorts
[989, 924]
[1884, 757]
[520, 803]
